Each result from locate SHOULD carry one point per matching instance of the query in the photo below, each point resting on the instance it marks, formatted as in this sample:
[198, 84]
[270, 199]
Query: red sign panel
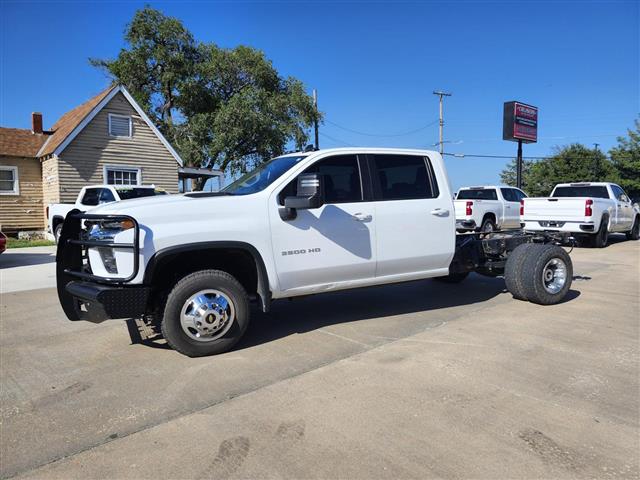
[520, 122]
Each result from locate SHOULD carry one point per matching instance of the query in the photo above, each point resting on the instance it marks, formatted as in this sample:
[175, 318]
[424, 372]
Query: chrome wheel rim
[207, 315]
[554, 275]
[488, 227]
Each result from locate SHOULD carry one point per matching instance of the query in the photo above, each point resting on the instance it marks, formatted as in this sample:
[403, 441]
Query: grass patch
[18, 243]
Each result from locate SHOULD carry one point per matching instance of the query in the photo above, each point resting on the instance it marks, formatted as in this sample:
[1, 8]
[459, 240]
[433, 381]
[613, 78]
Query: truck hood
[177, 209]
[126, 206]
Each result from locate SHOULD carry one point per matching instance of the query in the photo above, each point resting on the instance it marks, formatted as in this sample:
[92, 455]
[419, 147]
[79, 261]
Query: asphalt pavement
[419, 380]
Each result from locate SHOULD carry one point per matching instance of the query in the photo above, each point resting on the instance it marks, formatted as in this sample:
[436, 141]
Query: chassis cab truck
[300, 224]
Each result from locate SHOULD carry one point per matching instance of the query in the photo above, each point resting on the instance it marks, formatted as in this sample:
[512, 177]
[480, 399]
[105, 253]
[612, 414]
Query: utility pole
[316, 143]
[441, 94]
[596, 162]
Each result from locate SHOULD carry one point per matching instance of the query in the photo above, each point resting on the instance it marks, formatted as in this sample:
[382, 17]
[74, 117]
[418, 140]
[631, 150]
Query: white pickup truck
[92, 196]
[487, 209]
[587, 210]
[300, 224]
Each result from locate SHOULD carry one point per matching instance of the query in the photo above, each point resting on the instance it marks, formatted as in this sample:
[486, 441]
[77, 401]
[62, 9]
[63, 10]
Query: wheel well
[57, 220]
[489, 215]
[237, 262]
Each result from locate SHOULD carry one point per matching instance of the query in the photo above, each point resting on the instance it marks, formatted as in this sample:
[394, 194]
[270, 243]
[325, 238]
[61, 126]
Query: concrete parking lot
[421, 380]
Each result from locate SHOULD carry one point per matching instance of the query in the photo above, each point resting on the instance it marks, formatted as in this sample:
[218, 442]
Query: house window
[9, 181]
[120, 125]
[116, 175]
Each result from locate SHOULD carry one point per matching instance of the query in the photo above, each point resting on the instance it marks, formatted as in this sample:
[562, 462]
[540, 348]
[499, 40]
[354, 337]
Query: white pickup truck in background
[487, 209]
[92, 196]
[588, 210]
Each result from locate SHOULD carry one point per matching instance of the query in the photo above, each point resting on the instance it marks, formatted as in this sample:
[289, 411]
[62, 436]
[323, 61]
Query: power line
[508, 157]
[336, 140]
[379, 134]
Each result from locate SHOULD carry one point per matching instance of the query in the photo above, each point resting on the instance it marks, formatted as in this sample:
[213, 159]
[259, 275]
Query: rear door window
[509, 194]
[106, 196]
[91, 196]
[404, 177]
[478, 194]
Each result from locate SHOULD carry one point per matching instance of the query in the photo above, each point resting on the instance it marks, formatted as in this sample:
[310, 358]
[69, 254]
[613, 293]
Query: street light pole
[316, 142]
[441, 94]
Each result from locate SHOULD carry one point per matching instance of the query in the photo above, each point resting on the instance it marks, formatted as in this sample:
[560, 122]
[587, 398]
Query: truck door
[415, 222]
[624, 209]
[331, 244]
[511, 207]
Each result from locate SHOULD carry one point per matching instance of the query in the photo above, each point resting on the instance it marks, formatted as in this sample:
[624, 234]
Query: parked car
[487, 209]
[92, 196]
[3, 242]
[587, 210]
[301, 224]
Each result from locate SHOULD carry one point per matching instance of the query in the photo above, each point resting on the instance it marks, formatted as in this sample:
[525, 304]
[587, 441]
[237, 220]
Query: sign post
[520, 124]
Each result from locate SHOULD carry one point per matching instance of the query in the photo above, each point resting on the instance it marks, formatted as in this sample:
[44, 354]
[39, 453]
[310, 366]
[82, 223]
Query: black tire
[57, 232]
[488, 225]
[452, 278]
[513, 271]
[634, 233]
[602, 237]
[538, 261]
[189, 286]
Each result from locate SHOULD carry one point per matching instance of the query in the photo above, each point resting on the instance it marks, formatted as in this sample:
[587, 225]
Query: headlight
[106, 230]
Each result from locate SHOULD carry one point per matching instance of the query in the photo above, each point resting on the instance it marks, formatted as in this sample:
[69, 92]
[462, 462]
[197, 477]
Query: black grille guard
[72, 252]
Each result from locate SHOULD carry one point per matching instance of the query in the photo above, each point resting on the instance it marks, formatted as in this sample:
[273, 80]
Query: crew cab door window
[106, 196]
[330, 244]
[342, 180]
[403, 177]
[91, 197]
[415, 224]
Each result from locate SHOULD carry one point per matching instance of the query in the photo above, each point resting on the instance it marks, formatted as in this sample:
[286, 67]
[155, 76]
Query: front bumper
[96, 303]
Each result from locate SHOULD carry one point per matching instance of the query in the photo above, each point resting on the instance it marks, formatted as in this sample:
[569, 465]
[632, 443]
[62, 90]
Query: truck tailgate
[554, 209]
[460, 207]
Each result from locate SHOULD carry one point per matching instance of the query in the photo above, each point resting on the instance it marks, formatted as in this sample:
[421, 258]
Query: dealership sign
[520, 122]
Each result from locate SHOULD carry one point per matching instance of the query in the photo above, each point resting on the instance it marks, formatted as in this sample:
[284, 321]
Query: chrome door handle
[440, 212]
[361, 217]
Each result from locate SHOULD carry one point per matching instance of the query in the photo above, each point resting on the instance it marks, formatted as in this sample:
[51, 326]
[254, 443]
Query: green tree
[240, 110]
[573, 163]
[222, 108]
[626, 160]
[509, 175]
[160, 57]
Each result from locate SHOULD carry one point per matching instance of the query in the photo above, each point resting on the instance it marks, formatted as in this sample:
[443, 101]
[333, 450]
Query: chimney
[36, 122]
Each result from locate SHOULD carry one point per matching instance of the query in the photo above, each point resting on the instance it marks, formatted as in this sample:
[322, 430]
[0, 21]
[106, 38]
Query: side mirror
[310, 192]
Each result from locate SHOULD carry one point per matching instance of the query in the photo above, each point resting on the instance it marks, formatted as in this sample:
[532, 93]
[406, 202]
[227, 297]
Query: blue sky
[374, 64]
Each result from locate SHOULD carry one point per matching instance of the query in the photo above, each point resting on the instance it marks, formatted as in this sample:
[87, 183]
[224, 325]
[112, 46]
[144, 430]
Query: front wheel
[634, 233]
[206, 313]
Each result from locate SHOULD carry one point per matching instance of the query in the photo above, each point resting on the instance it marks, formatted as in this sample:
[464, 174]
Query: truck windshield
[129, 193]
[595, 191]
[263, 176]
[477, 194]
